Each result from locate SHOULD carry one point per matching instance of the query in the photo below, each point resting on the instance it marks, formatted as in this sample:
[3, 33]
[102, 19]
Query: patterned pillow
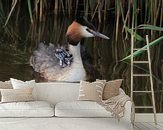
[111, 88]
[16, 95]
[5, 85]
[91, 91]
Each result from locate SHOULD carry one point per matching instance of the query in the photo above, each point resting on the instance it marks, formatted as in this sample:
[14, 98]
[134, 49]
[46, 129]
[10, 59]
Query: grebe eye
[87, 29]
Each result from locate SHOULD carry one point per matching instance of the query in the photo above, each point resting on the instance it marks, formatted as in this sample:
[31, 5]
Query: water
[101, 57]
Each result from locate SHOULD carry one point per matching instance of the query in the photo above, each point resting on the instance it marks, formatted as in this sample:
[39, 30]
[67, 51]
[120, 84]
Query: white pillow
[80, 109]
[26, 109]
[18, 84]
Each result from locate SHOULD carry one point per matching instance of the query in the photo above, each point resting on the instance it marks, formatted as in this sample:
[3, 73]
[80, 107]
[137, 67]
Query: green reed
[130, 13]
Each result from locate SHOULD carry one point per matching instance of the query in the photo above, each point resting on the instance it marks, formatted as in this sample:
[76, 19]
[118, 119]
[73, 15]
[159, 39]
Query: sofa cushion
[26, 109]
[91, 91]
[18, 84]
[16, 95]
[5, 85]
[80, 109]
[111, 88]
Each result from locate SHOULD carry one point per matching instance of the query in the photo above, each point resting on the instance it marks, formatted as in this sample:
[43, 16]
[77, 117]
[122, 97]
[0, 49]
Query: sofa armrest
[128, 111]
[127, 118]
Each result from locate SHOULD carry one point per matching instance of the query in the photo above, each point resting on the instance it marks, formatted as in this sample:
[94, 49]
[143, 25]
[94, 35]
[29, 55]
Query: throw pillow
[16, 95]
[5, 85]
[111, 88]
[18, 84]
[91, 91]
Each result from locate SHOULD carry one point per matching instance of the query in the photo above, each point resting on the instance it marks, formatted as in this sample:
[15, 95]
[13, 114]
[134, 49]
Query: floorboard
[136, 128]
[161, 124]
[141, 126]
[157, 126]
[148, 126]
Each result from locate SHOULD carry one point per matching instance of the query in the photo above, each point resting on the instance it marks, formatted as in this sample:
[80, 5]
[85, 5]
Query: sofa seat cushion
[26, 109]
[80, 109]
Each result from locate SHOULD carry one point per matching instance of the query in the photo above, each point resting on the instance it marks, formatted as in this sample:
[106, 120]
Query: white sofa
[65, 95]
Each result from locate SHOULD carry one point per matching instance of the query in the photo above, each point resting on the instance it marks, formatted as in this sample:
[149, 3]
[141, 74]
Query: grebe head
[81, 28]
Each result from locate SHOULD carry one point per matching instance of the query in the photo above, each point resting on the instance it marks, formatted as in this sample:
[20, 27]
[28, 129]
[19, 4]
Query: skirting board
[148, 117]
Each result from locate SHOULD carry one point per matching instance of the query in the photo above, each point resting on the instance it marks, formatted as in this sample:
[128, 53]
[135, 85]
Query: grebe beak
[97, 34]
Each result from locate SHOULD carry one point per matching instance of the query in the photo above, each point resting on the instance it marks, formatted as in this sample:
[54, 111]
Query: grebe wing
[44, 58]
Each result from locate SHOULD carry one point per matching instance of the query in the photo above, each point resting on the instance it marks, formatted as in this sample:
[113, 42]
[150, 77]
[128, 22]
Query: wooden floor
[148, 126]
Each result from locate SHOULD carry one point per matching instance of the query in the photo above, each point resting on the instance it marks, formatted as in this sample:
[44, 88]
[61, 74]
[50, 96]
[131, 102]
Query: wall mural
[59, 64]
[41, 42]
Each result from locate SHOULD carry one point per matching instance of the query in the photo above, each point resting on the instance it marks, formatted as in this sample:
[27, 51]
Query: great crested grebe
[46, 63]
